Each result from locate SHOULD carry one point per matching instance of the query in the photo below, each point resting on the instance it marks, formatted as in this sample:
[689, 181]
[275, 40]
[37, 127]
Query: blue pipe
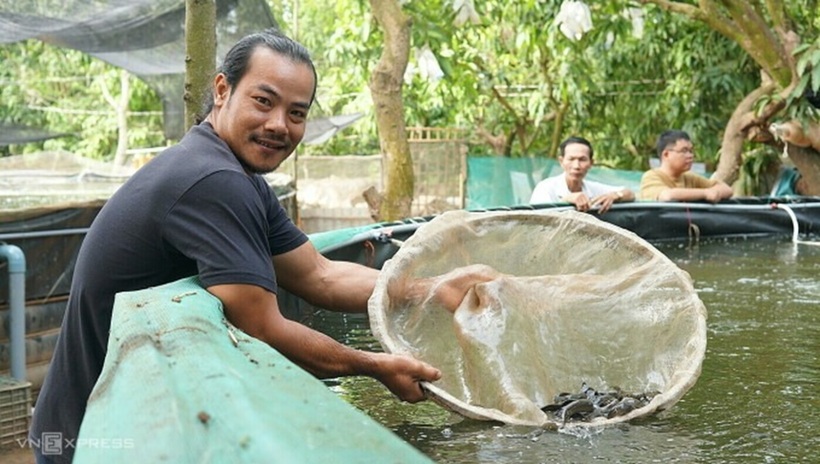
[17, 305]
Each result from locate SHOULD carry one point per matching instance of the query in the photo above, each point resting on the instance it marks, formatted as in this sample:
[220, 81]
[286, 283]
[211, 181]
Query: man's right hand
[711, 195]
[718, 192]
[581, 201]
[403, 375]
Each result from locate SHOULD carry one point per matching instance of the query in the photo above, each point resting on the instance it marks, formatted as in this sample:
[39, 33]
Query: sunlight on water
[756, 400]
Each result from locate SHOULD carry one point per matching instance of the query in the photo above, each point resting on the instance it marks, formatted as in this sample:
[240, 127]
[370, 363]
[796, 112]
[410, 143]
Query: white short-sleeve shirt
[554, 189]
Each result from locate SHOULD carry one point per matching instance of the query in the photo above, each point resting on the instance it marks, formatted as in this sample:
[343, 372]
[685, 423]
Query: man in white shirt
[576, 159]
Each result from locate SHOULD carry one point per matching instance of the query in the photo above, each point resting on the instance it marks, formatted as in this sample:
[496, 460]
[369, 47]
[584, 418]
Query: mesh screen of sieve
[577, 301]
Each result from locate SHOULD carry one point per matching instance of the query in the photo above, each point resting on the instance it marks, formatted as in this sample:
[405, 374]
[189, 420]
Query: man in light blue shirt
[576, 159]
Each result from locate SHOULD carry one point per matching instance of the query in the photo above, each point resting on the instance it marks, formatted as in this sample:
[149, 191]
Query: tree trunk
[122, 119]
[200, 55]
[386, 90]
[803, 146]
[736, 133]
[807, 162]
[120, 107]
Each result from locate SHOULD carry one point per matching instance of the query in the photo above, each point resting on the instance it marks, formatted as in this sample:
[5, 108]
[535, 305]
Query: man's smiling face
[263, 117]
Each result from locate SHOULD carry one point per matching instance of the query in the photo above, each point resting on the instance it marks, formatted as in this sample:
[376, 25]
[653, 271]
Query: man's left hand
[605, 201]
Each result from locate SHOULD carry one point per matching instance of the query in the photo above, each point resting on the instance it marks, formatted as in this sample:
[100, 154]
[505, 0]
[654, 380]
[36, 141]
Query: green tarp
[499, 181]
[182, 385]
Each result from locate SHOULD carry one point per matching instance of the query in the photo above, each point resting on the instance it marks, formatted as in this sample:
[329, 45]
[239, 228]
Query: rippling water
[756, 400]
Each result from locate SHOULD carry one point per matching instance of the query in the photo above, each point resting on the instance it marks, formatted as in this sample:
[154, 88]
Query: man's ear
[222, 89]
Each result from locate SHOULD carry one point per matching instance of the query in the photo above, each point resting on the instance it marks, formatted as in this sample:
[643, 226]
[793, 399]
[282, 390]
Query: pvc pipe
[43, 233]
[17, 305]
[795, 226]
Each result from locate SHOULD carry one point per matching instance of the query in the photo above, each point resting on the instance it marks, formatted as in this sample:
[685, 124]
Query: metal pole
[17, 306]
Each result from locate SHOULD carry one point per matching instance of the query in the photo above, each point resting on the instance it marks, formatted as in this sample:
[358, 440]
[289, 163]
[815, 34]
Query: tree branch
[506, 104]
[744, 26]
[497, 142]
[557, 129]
[706, 13]
[772, 108]
[731, 147]
[107, 93]
[759, 40]
[676, 7]
[778, 14]
[719, 21]
[768, 111]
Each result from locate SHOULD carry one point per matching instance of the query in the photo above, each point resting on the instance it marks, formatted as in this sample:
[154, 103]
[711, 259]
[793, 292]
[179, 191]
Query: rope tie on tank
[370, 253]
[386, 236]
[381, 236]
[693, 230]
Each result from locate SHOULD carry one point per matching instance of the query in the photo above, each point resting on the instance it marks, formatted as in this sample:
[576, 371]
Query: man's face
[262, 119]
[680, 156]
[576, 161]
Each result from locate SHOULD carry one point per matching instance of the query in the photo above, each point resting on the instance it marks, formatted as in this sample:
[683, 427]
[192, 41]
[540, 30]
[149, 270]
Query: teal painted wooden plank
[177, 388]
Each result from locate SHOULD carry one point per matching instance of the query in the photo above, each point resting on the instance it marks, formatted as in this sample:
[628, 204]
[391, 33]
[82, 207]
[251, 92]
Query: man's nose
[277, 122]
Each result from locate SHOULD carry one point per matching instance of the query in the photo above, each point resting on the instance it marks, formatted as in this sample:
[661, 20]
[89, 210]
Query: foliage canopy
[508, 75]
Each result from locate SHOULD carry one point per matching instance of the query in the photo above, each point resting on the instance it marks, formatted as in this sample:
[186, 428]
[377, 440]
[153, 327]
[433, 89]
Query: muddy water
[757, 400]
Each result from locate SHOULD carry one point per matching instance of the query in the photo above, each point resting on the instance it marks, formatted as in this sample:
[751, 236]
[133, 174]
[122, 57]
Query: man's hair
[235, 64]
[669, 138]
[575, 139]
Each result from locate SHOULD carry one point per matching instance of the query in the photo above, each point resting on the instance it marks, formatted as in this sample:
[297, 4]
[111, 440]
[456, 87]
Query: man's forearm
[724, 190]
[318, 353]
[683, 194]
[345, 287]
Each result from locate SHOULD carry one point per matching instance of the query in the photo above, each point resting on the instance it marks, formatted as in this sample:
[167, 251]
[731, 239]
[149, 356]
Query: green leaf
[800, 88]
[800, 49]
[815, 78]
[802, 63]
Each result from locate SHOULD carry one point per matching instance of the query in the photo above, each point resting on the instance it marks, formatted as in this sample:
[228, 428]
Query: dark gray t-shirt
[190, 211]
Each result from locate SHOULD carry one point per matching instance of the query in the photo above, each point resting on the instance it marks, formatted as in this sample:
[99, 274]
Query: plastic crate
[15, 411]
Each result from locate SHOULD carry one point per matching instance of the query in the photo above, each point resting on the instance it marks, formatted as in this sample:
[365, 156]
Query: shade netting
[144, 37]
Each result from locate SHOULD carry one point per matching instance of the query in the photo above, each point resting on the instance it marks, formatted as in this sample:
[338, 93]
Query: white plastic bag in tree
[577, 301]
[574, 19]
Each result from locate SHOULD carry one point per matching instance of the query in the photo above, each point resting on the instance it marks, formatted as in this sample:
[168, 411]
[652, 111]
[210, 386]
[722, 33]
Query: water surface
[756, 400]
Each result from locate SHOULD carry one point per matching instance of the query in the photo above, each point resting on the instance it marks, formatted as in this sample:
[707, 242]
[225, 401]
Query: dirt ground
[16, 455]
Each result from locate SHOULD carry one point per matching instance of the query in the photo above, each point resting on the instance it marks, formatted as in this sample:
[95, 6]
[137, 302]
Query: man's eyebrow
[273, 93]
